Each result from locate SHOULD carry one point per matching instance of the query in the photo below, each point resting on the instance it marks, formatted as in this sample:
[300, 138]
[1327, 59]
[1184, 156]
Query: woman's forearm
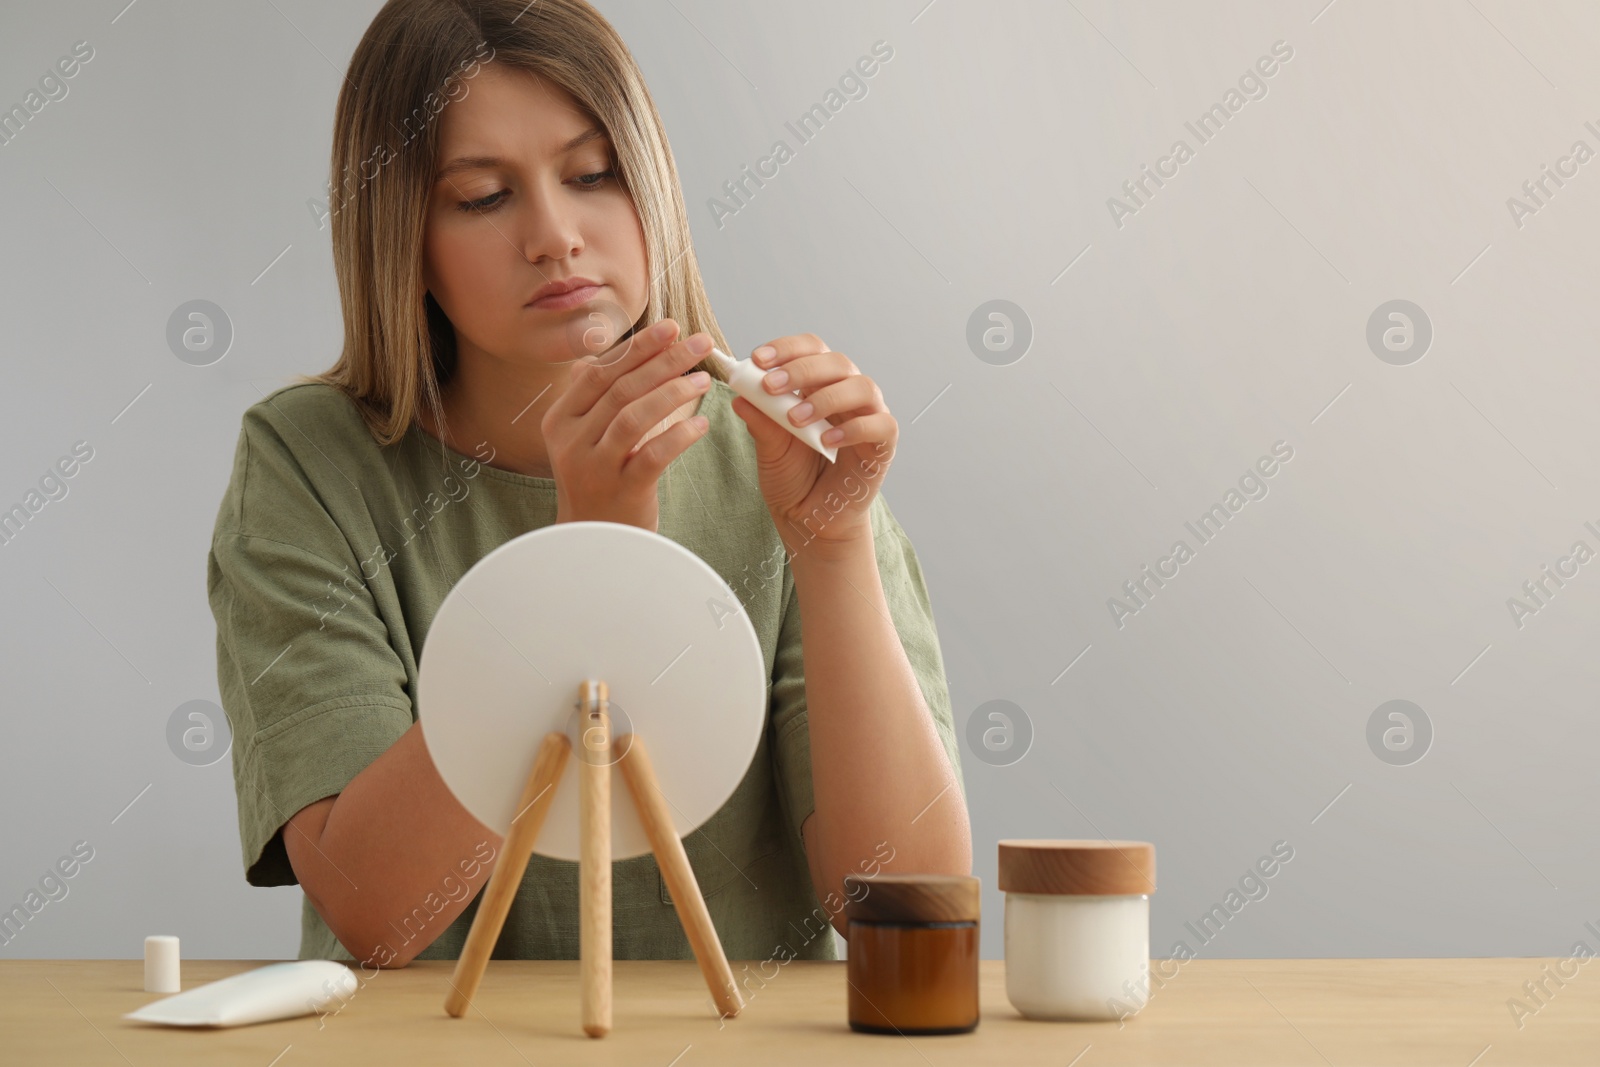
[879, 771]
[378, 858]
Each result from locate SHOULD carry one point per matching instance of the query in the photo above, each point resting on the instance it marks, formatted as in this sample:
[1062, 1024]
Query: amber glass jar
[913, 953]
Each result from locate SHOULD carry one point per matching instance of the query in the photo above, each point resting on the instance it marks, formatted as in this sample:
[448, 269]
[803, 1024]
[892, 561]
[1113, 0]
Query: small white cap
[161, 964]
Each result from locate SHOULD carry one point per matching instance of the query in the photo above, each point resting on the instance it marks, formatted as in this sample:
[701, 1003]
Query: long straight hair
[416, 57]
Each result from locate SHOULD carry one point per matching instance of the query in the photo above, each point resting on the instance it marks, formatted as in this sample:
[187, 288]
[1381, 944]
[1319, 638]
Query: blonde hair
[398, 349]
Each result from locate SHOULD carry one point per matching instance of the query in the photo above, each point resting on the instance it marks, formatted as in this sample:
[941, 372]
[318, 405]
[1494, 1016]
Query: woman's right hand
[613, 399]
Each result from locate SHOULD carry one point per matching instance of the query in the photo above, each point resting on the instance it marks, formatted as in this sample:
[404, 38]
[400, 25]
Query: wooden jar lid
[912, 898]
[1102, 868]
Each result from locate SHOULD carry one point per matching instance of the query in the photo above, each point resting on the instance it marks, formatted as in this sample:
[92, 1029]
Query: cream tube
[745, 378]
[276, 991]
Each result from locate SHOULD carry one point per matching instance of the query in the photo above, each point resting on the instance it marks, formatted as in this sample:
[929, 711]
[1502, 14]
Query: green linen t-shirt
[329, 559]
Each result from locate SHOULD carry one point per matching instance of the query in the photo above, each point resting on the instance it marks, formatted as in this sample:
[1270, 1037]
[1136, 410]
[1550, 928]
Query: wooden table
[1233, 1012]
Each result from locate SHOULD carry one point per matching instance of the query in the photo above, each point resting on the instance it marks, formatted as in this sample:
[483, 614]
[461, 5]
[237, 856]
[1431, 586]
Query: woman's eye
[488, 203]
[600, 178]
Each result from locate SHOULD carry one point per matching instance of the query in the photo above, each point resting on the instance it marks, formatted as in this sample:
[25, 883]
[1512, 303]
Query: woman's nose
[550, 227]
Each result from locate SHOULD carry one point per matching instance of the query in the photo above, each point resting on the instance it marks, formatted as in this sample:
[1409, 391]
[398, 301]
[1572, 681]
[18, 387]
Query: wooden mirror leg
[537, 795]
[676, 872]
[594, 865]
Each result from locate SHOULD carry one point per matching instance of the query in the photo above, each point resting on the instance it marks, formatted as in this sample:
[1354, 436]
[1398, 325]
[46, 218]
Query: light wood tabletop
[1233, 1012]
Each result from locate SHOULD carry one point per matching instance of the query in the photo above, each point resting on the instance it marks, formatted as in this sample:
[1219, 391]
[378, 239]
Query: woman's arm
[879, 770]
[369, 857]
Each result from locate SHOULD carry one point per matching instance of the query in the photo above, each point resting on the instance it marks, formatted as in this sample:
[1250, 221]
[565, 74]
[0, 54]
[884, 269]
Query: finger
[649, 411]
[780, 349]
[880, 426]
[592, 376]
[805, 373]
[853, 394]
[652, 458]
[770, 438]
[673, 361]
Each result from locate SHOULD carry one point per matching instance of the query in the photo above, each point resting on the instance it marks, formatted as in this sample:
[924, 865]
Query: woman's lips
[569, 299]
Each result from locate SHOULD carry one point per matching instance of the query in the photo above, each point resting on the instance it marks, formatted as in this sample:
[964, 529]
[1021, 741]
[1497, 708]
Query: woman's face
[542, 204]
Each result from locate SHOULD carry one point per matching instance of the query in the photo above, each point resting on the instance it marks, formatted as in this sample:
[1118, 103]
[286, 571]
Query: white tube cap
[161, 964]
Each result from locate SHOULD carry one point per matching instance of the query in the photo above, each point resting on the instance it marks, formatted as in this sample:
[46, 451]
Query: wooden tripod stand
[594, 866]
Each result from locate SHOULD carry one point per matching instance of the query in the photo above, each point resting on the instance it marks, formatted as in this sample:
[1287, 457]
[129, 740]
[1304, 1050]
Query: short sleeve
[312, 688]
[911, 609]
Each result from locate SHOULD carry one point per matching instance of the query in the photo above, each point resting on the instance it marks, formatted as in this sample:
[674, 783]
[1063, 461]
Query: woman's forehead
[511, 111]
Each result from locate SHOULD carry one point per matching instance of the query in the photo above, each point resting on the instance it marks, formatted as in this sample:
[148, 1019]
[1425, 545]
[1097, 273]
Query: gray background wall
[1168, 354]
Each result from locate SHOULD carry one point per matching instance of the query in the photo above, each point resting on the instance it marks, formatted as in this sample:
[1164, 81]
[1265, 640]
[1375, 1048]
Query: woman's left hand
[810, 499]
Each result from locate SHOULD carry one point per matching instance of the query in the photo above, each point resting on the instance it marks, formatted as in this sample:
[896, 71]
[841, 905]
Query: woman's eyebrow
[461, 163]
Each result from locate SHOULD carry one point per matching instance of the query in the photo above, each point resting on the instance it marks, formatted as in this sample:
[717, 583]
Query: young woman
[522, 315]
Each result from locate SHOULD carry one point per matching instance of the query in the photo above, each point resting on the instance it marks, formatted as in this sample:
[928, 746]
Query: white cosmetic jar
[1077, 926]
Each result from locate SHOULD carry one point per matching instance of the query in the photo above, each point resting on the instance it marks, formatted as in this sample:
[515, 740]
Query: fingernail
[662, 329]
[699, 378]
[764, 353]
[777, 378]
[700, 344]
[801, 412]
